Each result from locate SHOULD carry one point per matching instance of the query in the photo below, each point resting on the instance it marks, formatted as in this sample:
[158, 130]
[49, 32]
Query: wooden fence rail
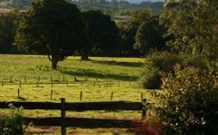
[78, 106]
[79, 122]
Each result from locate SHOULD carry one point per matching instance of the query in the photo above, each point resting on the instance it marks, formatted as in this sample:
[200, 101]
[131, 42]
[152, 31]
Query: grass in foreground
[97, 79]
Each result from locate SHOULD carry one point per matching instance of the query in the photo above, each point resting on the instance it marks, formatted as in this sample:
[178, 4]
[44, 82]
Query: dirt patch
[42, 130]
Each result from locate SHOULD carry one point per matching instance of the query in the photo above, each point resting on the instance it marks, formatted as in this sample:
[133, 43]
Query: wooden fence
[79, 107]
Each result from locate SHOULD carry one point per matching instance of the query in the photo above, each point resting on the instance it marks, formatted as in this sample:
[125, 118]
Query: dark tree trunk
[85, 57]
[54, 62]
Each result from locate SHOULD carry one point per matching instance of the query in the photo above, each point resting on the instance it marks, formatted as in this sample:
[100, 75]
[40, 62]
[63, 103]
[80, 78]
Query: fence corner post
[144, 108]
[63, 124]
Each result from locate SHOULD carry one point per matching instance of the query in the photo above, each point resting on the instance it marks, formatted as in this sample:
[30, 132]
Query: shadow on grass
[22, 99]
[98, 74]
[128, 64]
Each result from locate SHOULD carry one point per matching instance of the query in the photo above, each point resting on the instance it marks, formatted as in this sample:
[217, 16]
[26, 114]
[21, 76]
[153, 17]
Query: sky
[138, 1]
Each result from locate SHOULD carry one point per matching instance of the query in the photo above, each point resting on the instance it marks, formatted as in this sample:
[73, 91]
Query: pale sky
[138, 1]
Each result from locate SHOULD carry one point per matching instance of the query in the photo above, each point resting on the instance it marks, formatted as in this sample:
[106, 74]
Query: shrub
[157, 63]
[154, 65]
[12, 124]
[188, 103]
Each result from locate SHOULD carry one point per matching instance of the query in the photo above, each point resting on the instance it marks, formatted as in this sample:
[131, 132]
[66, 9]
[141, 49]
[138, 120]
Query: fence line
[79, 106]
[67, 83]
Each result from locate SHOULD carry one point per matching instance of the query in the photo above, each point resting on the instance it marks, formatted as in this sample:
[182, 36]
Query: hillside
[107, 7]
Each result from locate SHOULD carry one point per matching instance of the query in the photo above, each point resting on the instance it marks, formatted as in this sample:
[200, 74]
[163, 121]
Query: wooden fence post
[38, 78]
[2, 83]
[112, 94]
[11, 79]
[63, 78]
[25, 79]
[81, 95]
[63, 126]
[142, 96]
[107, 83]
[51, 94]
[18, 93]
[52, 84]
[51, 79]
[94, 84]
[37, 84]
[144, 108]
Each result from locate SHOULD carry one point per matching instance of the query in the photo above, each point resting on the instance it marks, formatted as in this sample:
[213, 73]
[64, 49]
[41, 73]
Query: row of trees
[112, 7]
[192, 27]
[8, 26]
[187, 103]
[57, 24]
[58, 29]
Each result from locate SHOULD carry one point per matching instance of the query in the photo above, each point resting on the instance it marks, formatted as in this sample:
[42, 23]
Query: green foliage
[140, 16]
[149, 36]
[157, 63]
[188, 102]
[12, 124]
[128, 30]
[51, 27]
[103, 34]
[151, 78]
[191, 26]
[8, 26]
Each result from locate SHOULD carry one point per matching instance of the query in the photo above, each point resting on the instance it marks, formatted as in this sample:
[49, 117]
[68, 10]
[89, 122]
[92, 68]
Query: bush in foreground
[189, 102]
[12, 124]
[157, 63]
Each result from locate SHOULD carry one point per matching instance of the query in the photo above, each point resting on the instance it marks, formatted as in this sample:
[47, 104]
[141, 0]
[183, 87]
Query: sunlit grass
[97, 79]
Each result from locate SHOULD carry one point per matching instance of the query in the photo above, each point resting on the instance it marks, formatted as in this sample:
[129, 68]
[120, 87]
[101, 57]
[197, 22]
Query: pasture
[29, 78]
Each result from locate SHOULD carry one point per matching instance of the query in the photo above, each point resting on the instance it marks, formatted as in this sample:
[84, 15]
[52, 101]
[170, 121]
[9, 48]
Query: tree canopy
[51, 27]
[102, 32]
[191, 26]
[8, 26]
[149, 36]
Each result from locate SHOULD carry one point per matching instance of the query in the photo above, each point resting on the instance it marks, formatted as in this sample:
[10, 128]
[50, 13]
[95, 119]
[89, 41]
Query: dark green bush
[188, 103]
[12, 124]
[154, 65]
[151, 78]
[164, 62]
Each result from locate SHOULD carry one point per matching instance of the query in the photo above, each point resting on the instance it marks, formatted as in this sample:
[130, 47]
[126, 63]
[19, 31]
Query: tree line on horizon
[59, 29]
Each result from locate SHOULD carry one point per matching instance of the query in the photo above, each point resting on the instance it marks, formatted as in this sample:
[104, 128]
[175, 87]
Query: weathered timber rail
[80, 122]
[64, 121]
[77, 106]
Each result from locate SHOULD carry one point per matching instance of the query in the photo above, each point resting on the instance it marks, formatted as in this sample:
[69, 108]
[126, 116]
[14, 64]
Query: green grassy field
[96, 78]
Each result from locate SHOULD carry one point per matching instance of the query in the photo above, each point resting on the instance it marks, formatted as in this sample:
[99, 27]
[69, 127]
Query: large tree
[129, 29]
[103, 34]
[8, 26]
[149, 36]
[192, 26]
[51, 27]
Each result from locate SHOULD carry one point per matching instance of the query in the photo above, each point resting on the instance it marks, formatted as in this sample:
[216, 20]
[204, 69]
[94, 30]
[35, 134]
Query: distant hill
[111, 8]
[7, 5]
